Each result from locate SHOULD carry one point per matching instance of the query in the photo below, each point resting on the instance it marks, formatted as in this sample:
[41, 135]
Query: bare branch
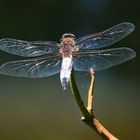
[88, 115]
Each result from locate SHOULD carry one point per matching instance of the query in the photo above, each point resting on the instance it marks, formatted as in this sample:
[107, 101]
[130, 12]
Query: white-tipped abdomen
[65, 72]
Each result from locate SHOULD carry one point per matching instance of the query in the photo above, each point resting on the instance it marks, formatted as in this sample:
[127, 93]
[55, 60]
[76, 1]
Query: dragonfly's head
[69, 35]
[68, 39]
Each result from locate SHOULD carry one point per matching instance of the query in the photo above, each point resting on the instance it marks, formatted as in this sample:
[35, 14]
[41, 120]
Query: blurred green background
[38, 109]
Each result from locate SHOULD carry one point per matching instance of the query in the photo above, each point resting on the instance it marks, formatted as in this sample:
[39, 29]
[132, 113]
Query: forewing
[105, 38]
[102, 59]
[32, 68]
[28, 49]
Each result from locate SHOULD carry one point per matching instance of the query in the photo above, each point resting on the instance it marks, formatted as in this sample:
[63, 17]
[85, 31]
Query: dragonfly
[46, 58]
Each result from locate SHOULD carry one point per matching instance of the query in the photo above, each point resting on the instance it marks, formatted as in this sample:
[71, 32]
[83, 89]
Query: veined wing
[28, 49]
[105, 38]
[102, 59]
[32, 68]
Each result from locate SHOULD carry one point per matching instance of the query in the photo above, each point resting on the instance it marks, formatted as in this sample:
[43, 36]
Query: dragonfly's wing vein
[102, 59]
[32, 68]
[105, 38]
[28, 49]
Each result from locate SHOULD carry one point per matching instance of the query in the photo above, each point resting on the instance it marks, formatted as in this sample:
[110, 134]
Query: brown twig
[90, 92]
[88, 115]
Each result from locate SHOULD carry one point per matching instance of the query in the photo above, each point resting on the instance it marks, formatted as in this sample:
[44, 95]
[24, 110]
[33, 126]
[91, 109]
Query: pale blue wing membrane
[101, 59]
[32, 68]
[28, 49]
[105, 38]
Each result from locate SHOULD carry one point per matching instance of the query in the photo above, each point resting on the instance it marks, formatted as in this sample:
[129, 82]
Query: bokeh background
[38, 109]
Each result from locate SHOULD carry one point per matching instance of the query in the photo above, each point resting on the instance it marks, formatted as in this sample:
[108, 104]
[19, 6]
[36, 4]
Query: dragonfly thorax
[68, 45]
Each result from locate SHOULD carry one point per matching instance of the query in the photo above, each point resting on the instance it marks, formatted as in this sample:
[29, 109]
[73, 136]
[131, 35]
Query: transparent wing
[32, 68]
[102, 59]
[105, 38]
[28, 49]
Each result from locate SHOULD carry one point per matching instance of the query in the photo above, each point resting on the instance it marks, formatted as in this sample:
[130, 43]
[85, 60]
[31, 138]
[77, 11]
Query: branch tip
[92, 71]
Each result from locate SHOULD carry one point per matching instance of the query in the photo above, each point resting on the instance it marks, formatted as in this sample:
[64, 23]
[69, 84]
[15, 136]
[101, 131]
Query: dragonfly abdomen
[65, 72]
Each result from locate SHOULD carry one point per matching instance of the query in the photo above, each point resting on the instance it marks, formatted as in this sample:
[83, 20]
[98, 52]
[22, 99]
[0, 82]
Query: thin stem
[77, 96]
[90, 92]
